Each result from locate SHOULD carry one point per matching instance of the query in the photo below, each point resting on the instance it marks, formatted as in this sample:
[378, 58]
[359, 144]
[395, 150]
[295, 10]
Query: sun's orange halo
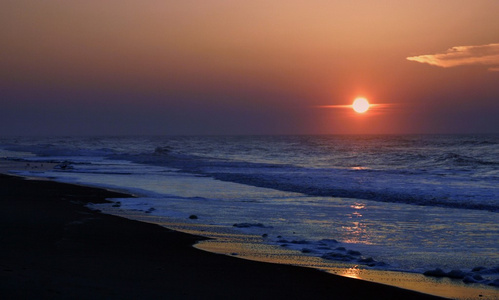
[360, 105]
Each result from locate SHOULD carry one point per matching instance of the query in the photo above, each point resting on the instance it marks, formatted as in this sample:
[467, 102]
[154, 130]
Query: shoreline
[251, 247]
[56, 247]
[233, 246]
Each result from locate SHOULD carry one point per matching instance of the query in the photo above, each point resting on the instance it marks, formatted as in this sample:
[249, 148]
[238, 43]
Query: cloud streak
[486, 55]
[371, 105]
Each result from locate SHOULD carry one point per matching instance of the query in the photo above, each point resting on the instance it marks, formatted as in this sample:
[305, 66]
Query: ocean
[411, 203]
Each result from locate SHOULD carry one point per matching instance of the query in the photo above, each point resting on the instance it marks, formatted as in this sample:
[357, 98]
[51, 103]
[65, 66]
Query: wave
[50, 150]
[164, 150]
[478, 143]
[374, 195]
[409, 170]
[463, 160]
[392, 185]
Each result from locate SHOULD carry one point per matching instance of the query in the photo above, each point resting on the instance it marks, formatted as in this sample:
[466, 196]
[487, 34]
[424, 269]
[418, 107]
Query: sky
[194, 67]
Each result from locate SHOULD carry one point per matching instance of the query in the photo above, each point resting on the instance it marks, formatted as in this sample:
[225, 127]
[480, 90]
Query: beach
[249, 149]
[55, 247]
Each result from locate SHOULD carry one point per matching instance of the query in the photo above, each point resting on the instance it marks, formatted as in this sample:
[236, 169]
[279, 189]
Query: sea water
[410, 203]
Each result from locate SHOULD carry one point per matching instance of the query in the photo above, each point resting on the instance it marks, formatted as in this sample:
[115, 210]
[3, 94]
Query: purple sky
[261, 67]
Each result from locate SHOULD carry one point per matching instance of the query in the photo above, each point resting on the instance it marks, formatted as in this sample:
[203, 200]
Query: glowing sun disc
[360, 105]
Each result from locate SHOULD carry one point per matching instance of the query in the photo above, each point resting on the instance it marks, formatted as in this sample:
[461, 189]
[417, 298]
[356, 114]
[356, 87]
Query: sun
[360, 105]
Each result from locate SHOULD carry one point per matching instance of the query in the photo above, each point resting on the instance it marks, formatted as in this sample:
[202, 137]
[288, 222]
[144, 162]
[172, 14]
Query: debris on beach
[473, 276]
[65, 165]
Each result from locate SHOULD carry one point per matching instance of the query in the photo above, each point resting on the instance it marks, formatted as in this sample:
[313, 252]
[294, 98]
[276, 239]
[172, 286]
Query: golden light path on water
[223, 240]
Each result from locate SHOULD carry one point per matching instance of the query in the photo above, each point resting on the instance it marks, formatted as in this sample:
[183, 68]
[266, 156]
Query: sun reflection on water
[357, 229]
[353, 272]
[358, 168]
[357, 205]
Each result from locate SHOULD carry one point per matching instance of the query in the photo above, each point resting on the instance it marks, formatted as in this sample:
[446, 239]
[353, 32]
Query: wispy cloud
[487, 55]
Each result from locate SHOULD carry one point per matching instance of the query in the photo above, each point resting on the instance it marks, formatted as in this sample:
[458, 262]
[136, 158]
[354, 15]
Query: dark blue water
[412, 203]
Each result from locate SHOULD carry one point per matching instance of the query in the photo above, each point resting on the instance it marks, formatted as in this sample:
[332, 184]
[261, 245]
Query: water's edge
[251, 247]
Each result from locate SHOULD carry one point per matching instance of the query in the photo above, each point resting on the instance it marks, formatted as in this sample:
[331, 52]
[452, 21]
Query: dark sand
[52, 246]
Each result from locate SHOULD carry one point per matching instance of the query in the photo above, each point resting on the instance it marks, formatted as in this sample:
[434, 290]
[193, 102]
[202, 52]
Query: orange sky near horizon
[256, 67]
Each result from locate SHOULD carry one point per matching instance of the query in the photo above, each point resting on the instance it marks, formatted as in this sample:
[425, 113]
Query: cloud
[487, 55]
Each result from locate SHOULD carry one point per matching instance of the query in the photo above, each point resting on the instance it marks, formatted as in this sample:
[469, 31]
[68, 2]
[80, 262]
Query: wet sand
[52, 246]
